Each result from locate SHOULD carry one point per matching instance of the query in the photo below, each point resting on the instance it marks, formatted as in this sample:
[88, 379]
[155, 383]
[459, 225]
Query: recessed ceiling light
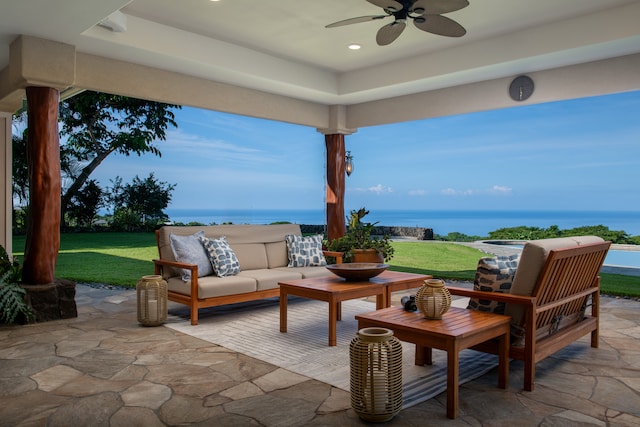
[354, 46]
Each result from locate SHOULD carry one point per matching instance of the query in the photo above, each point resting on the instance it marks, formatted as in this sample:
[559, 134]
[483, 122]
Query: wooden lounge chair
[555, 281]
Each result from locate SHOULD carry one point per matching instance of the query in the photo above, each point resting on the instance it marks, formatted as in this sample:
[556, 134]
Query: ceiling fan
[426, 15]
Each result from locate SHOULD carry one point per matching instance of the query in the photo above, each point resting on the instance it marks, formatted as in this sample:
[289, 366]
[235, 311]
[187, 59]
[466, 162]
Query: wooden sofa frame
[194, 302]
[555, 313]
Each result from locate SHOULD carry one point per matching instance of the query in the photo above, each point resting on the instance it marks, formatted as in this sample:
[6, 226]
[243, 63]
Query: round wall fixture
[521, 88]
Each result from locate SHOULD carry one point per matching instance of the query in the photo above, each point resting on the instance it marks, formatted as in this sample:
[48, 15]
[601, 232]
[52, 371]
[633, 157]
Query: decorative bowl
[357, 271]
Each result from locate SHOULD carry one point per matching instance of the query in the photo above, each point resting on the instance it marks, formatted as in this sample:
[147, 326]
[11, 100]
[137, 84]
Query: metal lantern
[433, 299]
[376, 374]
[152, 300]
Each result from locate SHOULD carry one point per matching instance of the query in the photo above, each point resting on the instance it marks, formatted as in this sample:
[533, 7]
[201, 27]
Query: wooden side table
[458, 329]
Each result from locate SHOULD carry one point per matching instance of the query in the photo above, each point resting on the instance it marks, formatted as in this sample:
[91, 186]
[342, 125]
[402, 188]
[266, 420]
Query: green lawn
[122, 258]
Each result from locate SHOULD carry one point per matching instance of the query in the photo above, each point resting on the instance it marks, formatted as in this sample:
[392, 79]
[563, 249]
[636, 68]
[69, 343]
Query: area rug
[253, 329]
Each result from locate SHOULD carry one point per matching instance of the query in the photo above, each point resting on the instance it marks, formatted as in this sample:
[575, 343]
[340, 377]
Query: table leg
[333, 308]
[339, 310]
[424, 355]
[503, 360]
[382, 301]
[452, 383]
[283, 310]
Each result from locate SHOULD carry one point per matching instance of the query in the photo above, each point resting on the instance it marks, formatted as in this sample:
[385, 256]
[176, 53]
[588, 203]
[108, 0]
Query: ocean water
[443, 222]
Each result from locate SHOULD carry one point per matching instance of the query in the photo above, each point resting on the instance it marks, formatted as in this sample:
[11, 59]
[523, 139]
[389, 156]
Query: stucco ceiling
[283, 47]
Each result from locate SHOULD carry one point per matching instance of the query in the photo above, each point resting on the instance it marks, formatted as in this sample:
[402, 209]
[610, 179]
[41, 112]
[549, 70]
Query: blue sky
[572, 155]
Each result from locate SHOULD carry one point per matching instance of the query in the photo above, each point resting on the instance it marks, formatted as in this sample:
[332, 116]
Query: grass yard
[122, 258]
[111, 258]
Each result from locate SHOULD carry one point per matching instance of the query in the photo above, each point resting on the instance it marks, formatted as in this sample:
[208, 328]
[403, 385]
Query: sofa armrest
[493, 296]
[161, 263]
[337, 255]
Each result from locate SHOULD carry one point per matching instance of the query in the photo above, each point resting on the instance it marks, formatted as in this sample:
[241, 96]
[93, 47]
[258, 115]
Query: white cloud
[454, 192]
[496, 189]
[500, 189]
[376, 189]
[379, 189]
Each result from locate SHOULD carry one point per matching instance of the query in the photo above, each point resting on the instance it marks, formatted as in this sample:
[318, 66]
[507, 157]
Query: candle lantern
[376, 374]
[433, 299]
[152, 300]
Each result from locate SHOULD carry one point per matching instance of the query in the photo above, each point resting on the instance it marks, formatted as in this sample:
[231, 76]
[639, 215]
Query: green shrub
[12, 295]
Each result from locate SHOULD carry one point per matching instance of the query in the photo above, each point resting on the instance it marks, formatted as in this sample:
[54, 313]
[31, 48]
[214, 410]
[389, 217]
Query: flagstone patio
[103, 369]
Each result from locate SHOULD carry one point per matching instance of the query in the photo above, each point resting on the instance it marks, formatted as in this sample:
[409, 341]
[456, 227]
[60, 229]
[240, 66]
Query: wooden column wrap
[43, 157]
[335, 185]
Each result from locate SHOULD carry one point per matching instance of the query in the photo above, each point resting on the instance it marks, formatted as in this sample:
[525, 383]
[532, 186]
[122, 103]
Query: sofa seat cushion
[308, 272]
[269, 278]
[214, 286]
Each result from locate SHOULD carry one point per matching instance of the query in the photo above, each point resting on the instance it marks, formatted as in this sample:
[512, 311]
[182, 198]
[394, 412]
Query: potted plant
[358, 245]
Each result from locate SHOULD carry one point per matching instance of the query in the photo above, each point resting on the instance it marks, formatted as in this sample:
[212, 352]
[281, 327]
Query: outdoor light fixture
[348, 165]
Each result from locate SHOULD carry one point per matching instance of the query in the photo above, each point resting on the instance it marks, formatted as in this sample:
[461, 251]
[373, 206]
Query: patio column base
[52, 301]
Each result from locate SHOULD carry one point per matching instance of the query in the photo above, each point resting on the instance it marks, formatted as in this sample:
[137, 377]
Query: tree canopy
[97, 124]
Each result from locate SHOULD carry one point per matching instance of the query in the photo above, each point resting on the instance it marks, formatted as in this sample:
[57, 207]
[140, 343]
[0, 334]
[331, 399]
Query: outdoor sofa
[256, 259]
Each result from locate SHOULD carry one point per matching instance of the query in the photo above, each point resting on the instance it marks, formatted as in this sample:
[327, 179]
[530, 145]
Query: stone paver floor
[103, 369]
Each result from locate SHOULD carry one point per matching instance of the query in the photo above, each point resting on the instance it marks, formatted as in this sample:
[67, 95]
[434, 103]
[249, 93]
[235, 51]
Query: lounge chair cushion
[494, 274]
[533, 257]
[189, 249]
[305, 251]
[224, 260]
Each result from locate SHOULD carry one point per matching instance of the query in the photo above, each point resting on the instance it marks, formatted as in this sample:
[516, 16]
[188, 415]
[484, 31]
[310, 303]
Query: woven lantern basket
[376, 374]
[433, 299]
[152, 300]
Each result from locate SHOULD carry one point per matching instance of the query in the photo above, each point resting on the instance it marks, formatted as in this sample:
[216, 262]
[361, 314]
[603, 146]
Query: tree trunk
[43, 158]
[335, 186]
[80, 181]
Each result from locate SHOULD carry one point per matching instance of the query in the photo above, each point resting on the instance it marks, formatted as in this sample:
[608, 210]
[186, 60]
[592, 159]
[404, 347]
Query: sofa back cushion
[532, 260]
[256, 246]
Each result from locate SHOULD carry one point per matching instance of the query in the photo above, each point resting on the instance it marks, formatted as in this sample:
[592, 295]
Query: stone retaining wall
[418, 233]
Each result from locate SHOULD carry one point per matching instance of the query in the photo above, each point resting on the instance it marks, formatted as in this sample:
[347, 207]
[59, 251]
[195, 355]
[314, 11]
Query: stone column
[43, 157]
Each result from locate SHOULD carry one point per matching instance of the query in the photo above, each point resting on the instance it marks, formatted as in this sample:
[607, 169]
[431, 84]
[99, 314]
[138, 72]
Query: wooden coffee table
[334, 290]
[459, 329]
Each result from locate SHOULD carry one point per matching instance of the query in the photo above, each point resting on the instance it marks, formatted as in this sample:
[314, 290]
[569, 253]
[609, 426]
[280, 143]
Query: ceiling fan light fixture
[427, 15]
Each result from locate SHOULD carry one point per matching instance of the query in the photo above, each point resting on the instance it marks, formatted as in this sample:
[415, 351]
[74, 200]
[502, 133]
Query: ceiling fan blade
[440, 25]
[391, 5]
[437, 7]
[356, 20]
[390, 32]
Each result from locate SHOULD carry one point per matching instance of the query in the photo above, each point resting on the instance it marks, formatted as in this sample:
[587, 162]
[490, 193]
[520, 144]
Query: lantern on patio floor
[376, 374]
[152, 300]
